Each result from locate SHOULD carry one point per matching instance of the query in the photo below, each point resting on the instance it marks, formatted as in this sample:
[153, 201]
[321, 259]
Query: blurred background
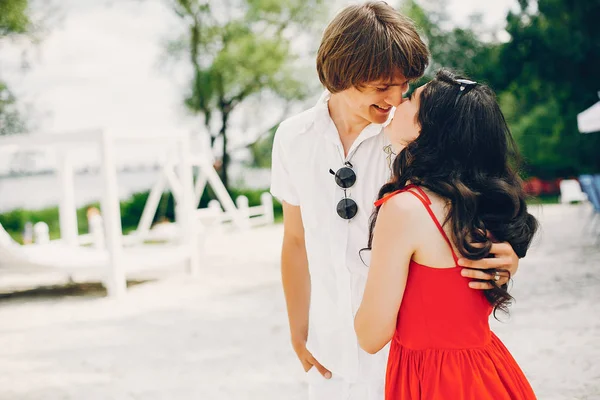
[225, 73]
[229, 72]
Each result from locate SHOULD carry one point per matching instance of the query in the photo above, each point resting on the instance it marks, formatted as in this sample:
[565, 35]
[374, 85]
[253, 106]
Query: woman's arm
[394, 243]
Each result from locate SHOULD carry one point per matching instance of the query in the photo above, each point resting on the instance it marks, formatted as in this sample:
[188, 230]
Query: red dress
[443, 348]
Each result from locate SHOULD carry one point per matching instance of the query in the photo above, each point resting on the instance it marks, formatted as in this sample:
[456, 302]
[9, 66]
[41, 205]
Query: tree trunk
[225, 111]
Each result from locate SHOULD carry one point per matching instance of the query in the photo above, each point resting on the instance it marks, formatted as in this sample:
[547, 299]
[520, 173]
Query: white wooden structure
[68, 252]
[244, 216]
[257, 215]
[588, 121]
[168, 177]
[570, 192]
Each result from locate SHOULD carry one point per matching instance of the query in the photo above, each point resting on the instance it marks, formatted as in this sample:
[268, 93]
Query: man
[328, 164]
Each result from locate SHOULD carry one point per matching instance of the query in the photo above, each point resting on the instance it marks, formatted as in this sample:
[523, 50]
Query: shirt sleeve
[281, 182]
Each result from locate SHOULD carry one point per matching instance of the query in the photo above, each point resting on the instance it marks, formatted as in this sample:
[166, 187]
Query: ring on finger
[497, 276]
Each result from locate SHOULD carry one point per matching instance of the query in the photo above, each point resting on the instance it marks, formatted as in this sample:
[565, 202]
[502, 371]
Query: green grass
[543, 200]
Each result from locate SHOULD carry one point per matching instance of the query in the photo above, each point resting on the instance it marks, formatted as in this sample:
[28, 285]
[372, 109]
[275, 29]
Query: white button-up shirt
[305, 148]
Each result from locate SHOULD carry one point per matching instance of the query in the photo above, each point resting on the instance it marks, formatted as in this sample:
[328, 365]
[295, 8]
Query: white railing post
[186, 207]
[41, 233]
[243, 205]
[67, 212]
[96, 228]
[116, 280]
[219, 216]
[217, 185]
[243, 209]
[266, 200]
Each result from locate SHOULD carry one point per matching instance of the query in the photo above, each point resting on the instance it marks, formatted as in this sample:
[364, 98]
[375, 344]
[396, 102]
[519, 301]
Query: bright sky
[100, 66]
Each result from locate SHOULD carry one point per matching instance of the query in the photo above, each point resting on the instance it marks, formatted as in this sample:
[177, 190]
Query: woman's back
[443, 347]
[438, 309]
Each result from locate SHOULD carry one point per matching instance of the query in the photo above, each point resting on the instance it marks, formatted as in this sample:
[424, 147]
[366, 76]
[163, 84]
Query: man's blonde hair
[369, 42]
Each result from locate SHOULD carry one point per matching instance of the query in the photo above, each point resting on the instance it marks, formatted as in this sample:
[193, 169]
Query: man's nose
[394, 97]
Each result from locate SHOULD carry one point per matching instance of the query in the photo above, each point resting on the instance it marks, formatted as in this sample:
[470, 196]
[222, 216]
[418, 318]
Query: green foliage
[14, 17]
[131, 212]
[544, 76]
[550, 67]
[14, 221]
[14, 20]
[238, 50]
[262, 149]
[10, 120]
[456, 48]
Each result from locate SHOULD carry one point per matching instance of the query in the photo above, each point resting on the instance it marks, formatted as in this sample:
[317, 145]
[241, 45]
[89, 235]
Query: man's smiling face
[373, 101]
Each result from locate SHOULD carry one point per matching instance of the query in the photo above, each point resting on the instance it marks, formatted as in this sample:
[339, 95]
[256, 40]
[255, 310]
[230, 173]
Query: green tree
[14, 21]
[544, 75]
[10, 119]
[550, 74]
[262, 148]
[237, 50]
[460, 49]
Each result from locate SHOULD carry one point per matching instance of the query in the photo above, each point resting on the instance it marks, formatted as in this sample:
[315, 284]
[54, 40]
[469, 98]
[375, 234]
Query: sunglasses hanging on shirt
[345, 178]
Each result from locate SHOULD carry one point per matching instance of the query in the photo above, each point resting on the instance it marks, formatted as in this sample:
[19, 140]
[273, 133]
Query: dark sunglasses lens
[347, 208]
[345, 177]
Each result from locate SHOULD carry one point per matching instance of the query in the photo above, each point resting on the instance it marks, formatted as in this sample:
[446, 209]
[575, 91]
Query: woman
[452, 193]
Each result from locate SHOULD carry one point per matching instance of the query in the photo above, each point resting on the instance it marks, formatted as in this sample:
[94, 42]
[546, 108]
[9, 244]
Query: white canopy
[589, 120]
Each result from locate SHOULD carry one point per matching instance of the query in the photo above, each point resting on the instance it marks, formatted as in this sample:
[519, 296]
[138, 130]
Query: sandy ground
[223, 334]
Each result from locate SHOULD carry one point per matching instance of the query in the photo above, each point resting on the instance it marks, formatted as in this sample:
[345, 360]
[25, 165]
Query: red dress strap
[392, 194]
[422, 196]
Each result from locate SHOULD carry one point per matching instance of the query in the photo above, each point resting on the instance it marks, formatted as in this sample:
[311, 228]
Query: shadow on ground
[69, 289]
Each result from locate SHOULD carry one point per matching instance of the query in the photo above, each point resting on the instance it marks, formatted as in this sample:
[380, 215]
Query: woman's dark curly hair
[466, 154]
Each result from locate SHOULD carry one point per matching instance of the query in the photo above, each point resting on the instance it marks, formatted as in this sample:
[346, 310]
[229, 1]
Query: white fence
[215, 216]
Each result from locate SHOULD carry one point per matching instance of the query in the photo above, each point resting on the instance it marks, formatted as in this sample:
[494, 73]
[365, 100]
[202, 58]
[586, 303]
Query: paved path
[223, 335]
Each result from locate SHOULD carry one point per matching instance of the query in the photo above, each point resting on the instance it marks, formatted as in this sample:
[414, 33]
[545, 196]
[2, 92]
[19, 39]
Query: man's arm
[296, 285]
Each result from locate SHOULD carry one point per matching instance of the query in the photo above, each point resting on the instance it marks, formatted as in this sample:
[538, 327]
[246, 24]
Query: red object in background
[536, 186]
[533, 186]
[551, 187]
